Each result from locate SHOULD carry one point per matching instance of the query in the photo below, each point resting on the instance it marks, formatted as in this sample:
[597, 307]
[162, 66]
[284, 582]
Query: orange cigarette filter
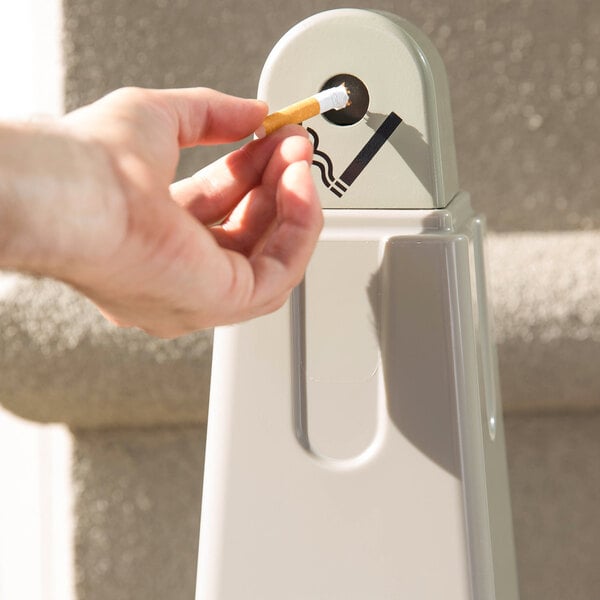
[295, 113]
[334, 98]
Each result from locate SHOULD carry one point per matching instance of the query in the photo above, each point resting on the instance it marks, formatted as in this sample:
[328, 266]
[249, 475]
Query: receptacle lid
[400, 152]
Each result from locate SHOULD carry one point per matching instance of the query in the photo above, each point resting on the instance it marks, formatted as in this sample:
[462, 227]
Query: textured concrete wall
[546, 300]
[82, 371]
[555, 479]
[138, 505]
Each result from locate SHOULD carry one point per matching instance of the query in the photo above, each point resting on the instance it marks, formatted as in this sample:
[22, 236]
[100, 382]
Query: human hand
[224, 245]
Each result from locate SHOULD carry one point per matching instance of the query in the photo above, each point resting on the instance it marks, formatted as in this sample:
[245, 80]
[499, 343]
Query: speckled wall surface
[137, 505]
[524, 77]
[555, 479]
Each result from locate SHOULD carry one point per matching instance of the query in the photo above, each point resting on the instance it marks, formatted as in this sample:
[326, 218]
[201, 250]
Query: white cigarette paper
[332, 99]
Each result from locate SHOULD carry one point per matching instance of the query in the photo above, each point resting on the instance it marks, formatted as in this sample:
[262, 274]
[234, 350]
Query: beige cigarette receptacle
[355, 444]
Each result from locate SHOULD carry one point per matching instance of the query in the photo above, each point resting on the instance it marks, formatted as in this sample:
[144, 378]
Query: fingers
[269, 237]
[281, 264]
[212, 193]
[253, 217]
[205, 116]
[189, 282]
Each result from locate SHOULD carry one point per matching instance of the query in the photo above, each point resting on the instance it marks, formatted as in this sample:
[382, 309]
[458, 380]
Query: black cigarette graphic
[366, 154]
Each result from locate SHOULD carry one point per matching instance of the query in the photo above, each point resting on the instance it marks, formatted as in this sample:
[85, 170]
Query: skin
[89, 200]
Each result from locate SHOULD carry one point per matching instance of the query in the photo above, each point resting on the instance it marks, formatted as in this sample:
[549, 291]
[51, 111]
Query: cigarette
[334, 98]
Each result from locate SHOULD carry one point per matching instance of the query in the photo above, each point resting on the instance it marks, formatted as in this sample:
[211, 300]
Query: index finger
[205, 116]
[213, 192]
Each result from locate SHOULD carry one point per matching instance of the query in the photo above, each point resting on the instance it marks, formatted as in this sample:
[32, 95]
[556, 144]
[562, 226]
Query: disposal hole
[359, 98]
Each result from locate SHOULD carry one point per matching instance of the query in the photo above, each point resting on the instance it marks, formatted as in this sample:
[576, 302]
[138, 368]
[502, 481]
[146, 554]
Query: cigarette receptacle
[355, 439]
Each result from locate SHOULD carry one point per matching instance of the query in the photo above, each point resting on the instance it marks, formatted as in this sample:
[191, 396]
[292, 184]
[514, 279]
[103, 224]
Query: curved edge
[439, 111]
[435, 84]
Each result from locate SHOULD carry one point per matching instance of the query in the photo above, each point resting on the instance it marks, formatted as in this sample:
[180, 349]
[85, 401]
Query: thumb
[205, 116]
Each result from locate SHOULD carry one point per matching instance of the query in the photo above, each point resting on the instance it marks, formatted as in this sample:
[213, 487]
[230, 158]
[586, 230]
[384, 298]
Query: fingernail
[304, 165]
[260, 102]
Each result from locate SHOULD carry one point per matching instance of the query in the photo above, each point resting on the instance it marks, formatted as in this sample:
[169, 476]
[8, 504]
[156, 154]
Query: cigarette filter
[334, 98]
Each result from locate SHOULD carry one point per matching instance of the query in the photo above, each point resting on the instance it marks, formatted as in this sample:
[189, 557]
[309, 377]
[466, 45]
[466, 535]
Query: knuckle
[162, 332]
[129, 95]
[277, 302]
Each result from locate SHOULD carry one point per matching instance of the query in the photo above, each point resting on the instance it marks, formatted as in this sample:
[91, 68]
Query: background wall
[524, 84]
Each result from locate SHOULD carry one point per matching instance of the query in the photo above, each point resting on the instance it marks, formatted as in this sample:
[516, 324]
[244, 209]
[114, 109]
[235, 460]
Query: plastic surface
[404, 76]
[355, 445]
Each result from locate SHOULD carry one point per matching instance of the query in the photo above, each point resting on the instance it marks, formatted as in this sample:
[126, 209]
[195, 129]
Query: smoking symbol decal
[325, 165]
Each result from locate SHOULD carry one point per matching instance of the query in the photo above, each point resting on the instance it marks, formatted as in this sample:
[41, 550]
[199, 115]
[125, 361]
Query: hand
[225, 245]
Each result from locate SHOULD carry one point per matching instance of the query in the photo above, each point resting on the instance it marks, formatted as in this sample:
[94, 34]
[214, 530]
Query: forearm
[46, 175]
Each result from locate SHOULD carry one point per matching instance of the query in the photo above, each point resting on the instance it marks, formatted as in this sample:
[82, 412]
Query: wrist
[47, 178]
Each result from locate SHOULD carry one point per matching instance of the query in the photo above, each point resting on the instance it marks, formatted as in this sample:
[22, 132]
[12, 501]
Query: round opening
[359, 100]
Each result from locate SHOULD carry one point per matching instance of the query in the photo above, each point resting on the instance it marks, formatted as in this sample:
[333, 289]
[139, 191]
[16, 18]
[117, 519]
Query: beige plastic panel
[416, 166]
[417, 505]
[339, 351]
[355, 446]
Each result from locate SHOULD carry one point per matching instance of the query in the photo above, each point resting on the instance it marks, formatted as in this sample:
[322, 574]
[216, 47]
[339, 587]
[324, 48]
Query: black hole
[359, 98]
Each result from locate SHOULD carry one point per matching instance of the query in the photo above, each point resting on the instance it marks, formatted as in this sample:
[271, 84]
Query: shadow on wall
[549, 376]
